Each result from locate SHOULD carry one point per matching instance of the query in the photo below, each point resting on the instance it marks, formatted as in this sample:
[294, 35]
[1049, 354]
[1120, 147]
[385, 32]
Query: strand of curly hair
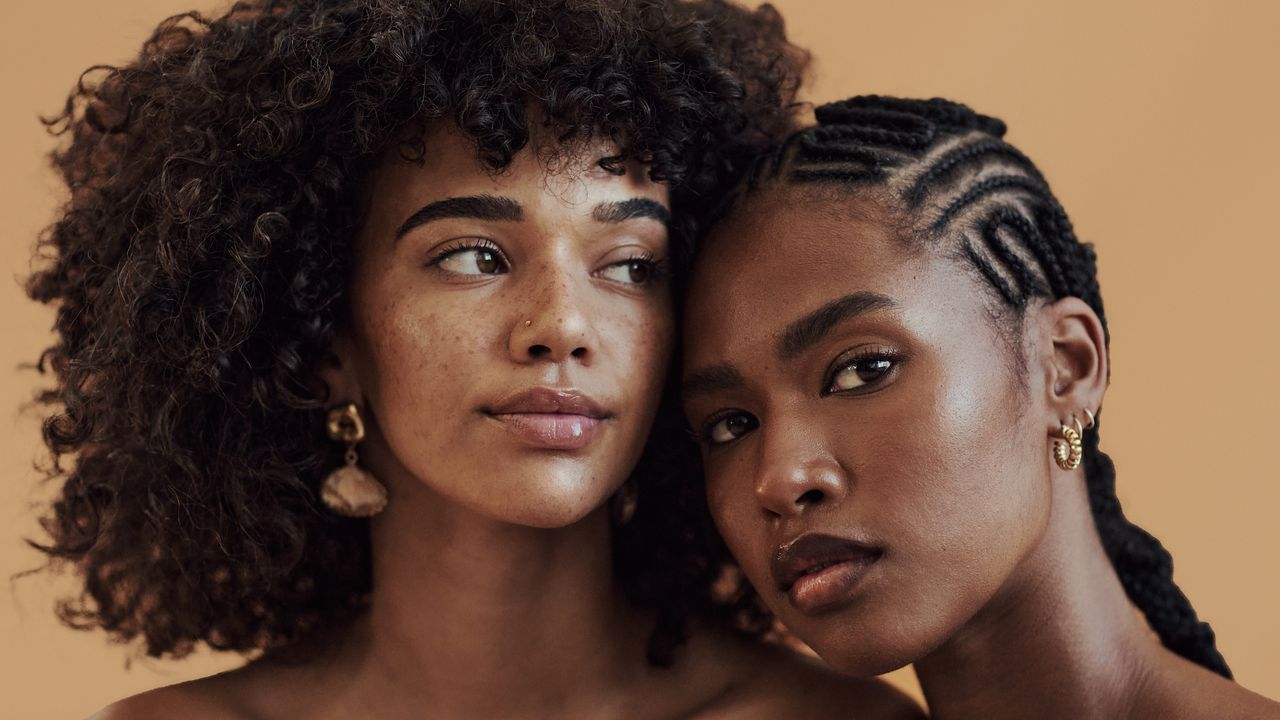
[199, 267]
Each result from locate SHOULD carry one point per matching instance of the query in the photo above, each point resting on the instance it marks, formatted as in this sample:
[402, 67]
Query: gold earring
[350, 490]
[1069, 451]
[623, 503]
[1092, 420]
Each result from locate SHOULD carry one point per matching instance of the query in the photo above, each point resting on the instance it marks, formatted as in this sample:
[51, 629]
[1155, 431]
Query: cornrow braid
[958, 181]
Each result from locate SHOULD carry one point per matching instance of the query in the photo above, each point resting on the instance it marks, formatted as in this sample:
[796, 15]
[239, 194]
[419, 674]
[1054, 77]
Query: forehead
[787, 251]
[542, 177]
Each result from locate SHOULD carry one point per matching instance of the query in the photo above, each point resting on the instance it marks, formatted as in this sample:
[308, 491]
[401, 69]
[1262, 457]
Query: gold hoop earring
[1089, 416]
[1069, 451]
[350, 490]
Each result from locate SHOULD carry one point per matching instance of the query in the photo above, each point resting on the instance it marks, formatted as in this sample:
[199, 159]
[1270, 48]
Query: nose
[795, 475]
[555, 324]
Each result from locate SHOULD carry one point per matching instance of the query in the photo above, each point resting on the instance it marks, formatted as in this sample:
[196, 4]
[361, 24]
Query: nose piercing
[527, 323]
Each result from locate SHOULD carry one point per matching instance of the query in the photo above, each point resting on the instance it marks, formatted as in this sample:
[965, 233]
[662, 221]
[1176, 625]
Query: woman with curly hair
[364, 316]
[897, 378]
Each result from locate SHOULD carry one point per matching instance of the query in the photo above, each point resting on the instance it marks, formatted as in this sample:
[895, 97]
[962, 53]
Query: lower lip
[830, 587]
[553, 431]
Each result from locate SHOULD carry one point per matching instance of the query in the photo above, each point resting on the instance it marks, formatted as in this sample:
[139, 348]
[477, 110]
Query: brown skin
[991, 578]
[493, 593]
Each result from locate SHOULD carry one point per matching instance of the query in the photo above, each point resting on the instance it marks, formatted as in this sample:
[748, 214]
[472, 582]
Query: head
[424, 208]
[894, 321]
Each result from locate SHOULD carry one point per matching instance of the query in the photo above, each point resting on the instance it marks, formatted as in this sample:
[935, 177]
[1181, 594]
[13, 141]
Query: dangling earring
[623, 503]
[350, 490]
[1069, 451]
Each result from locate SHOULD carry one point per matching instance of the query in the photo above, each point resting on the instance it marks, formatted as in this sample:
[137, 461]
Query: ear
[338, 373]
[1076, 365]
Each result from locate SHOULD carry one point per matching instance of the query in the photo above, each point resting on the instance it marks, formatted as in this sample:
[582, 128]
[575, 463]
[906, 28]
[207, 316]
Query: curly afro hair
[198, 271]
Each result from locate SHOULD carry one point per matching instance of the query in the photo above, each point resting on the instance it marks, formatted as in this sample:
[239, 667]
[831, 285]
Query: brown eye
[730, 428]
[860, 372]
[473, 261]
[640, 271]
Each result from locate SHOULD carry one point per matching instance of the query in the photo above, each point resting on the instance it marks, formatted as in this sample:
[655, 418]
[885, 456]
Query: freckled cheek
[642, 345]
[425, 351]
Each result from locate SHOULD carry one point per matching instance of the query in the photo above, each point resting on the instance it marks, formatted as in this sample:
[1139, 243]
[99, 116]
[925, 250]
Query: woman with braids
[896, 358]
[364, 314]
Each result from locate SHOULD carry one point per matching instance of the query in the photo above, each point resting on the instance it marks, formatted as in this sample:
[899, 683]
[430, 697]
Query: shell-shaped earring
[350, 490]
[1068, 451]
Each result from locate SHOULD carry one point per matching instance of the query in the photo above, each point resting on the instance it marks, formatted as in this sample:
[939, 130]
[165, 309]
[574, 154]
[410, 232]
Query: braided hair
[958, 182]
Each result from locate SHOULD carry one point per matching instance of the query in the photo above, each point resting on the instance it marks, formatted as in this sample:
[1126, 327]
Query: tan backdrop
[1154, 120]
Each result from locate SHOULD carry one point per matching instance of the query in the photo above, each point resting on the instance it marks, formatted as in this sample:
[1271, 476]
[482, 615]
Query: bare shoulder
[209, 698]
[776, 681]
[1189, 692]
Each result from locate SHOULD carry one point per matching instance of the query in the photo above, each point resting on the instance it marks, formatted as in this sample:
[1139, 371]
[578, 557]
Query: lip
[819, 572]
[551, 418]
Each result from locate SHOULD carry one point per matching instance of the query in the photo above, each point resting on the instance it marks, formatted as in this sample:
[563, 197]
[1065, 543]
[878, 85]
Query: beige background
[1156, 123]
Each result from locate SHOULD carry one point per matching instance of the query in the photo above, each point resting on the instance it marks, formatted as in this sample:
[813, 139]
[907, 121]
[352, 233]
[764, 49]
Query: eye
[728, 428]
[860, 372]
[642, 270]
[477, 259]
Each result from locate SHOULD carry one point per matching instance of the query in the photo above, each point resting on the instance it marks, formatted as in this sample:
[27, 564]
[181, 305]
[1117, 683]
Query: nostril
[580, 353]
[538, 351]
[812, 497]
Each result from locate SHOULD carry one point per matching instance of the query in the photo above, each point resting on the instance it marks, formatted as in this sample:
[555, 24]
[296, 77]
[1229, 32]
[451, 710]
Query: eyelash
[463, 246]
[657, 268]
[861, 356]
[703, 435]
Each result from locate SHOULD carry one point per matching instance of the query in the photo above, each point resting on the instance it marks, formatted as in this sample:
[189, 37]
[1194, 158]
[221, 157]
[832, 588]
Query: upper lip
[814, 551]
[546, 400]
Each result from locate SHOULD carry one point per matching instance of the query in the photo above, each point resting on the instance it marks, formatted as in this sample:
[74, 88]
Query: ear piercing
[1068, 451]
[350, 490]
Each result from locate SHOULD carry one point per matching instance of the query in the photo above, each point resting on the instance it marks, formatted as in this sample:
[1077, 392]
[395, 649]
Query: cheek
[636, 343]
[740, 521]
[975, 506]
[420, 351]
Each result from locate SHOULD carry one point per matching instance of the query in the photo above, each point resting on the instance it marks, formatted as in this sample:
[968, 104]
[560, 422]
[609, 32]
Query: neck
[478, 618]
[1060, 640]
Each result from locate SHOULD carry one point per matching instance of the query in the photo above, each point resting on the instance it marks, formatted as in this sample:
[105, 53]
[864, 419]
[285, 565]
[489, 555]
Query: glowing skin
[913, 461]
[877, 437]
[509, 338]
[547, 282]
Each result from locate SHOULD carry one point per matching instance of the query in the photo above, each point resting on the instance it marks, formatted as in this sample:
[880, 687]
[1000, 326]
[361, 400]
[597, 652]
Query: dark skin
[493, 594]
[902, 417]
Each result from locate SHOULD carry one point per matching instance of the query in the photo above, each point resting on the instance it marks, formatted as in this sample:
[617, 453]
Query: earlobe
[337, 374]
[1079, 367]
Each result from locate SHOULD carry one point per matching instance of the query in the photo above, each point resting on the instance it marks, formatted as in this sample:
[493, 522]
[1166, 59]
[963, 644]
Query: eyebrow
[713, 379]
[809, 330]
[474, 207]
[623, 210]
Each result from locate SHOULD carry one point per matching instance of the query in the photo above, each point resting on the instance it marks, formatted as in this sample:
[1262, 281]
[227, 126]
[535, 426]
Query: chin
[868, 646]
[554, 499]
[865, 661]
